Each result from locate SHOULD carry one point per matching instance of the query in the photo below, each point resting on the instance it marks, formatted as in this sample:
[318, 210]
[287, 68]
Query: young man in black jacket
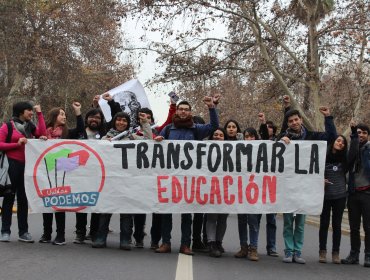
[359, 192]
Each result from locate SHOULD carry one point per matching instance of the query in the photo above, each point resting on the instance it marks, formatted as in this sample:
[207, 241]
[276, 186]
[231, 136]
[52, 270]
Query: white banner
[175, 176]
[131, 96]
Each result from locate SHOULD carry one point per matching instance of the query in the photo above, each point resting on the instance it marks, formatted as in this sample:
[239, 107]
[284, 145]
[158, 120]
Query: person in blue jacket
[183, 128]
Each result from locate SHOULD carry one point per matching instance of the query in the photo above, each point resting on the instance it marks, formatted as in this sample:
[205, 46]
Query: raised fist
[76, 107]
[107, 96]
[324, 110]
[37, 108]
[208, 100]
[261, 117]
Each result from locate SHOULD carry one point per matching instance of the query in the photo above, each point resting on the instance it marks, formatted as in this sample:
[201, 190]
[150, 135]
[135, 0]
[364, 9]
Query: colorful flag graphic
[83, 156]
[51, 158]
[67, 164]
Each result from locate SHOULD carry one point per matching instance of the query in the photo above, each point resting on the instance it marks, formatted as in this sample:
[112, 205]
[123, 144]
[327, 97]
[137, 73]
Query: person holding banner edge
[23, 129]
[335, 197]
[359, 192]
[183, 128]
[56, 128]
[294, 235]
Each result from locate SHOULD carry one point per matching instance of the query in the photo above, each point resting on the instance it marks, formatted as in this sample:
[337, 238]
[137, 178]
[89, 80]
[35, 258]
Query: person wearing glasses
[183, 128]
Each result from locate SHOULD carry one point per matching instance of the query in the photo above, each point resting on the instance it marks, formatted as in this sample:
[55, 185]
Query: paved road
[45, 261]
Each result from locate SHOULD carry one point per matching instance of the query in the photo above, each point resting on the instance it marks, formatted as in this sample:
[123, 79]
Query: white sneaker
[5, 237]
[298, 259]
[26, 237]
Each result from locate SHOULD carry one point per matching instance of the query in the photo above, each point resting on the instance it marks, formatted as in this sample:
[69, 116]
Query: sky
[157, 95]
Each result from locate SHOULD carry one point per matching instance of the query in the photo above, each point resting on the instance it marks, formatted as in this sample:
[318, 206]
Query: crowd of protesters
[347, 180]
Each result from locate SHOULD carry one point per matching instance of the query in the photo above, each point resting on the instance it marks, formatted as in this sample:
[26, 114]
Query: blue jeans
[253, 221]
[271, 232]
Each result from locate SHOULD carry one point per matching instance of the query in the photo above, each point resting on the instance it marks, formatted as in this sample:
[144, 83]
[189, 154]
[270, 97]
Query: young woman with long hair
[335, 197]
[57, 128]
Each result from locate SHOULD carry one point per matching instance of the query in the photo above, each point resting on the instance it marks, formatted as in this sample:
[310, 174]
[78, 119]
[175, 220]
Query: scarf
[182, 123]
[26, 128]
[293, 135]
[112, 133]
[54, 133]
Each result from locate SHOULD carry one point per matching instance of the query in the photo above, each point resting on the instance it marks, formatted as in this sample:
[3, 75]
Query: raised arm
[204, 130]
[41, 127]
[75, 133]
[171, 112]
[264, 132]
[146, 129]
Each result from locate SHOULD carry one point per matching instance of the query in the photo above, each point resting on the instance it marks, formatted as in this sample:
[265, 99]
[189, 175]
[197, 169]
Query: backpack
[5, 184]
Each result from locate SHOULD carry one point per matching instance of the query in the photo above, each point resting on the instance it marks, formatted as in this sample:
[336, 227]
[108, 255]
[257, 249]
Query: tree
[292, 45]
[56, 49]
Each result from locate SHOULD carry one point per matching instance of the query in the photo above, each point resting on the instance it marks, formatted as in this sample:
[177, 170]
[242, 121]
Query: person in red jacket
[22, 129]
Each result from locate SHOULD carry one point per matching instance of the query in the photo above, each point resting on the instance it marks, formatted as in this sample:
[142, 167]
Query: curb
[315, 221]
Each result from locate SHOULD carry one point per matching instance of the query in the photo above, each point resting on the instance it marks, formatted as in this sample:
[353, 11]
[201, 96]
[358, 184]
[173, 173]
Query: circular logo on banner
[69, 176]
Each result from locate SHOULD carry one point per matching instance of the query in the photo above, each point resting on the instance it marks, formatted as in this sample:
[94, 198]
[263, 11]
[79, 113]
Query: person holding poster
[183, 128]
[293, 232]
[56, 128]
[359, 192]
[22, 129]
[120, 124]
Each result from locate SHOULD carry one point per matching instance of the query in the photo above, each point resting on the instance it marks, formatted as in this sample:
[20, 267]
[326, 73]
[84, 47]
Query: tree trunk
[314, 66]
[13, 94]
[306, 95]
[264, 53]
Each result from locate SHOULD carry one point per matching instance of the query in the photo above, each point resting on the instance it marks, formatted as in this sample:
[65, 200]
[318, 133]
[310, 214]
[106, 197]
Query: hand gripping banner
[175, 176]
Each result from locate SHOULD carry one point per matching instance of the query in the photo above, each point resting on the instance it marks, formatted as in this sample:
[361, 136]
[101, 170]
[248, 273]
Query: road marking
[184, 270]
